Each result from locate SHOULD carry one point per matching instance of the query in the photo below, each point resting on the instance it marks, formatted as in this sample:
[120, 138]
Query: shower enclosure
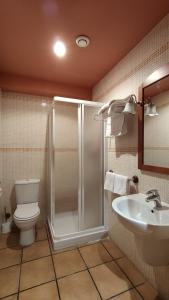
[76, 171]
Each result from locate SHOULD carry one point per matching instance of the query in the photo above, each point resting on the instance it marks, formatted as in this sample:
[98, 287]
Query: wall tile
[23, 144]
[124, 79]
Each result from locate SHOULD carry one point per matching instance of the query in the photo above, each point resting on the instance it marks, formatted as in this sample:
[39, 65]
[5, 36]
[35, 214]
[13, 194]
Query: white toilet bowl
[25, 218]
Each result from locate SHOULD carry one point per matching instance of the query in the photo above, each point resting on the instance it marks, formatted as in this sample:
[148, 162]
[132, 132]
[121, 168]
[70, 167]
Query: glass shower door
[92, 169]
[66, 168]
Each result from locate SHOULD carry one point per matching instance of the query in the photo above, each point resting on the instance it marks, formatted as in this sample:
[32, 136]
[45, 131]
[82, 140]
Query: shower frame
[83, 235]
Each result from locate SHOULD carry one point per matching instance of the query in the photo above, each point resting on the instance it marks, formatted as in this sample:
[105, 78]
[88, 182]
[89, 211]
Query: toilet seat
[26, 211]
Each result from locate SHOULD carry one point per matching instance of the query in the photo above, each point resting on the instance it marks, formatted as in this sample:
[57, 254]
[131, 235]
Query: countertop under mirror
[153, 122]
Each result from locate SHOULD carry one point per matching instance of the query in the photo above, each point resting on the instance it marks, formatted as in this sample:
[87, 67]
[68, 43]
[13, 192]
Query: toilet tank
[27, 191]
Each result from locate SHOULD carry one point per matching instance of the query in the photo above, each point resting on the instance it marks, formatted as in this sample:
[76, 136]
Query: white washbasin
[141, 217]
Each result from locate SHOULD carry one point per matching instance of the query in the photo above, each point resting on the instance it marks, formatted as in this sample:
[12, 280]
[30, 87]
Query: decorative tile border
[134, 149]
[156, 148]
[22, 149]
[30, 149]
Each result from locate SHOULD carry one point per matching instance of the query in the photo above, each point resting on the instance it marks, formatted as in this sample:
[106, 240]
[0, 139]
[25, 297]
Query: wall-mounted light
[130, 105]
[129, 108]
[150, 110]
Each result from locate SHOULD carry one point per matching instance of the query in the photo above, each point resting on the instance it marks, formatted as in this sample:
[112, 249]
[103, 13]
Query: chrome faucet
[153, 195]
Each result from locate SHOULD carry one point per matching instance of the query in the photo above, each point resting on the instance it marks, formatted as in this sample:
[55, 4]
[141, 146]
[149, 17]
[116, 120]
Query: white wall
[124, 79]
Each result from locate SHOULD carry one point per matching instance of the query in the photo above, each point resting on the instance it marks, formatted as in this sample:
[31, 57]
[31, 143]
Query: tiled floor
[91, 272]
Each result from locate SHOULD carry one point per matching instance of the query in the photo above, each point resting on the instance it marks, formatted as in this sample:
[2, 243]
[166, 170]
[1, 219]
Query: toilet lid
[27, 211]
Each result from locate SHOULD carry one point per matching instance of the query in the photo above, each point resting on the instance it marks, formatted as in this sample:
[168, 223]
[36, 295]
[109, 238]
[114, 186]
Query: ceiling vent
[82, 41]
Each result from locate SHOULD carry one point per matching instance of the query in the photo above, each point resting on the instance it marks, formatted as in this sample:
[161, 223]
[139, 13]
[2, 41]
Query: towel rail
[134, 178]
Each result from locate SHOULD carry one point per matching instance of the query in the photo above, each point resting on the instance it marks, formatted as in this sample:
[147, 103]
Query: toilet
[27, 210]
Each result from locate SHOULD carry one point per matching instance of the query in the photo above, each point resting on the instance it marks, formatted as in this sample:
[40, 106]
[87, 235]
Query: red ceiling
[28, 29]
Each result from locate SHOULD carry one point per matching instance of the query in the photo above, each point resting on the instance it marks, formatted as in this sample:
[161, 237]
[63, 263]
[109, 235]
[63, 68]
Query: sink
[142, 217]
[147, 223]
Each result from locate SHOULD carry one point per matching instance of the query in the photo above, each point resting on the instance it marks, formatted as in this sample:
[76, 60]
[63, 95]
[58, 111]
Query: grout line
[94, 284]
[111, 254]
[8, 296]
[20, 274]
[24, 262]
[139, 292]
[124, 274]
[10, 266]
[115, 259]
[103, 263]
[106, 250]
[129, 279]
[58, 278]
[57, 285]
[86, 269]
[90, 274]
[34, 286]
[137, 285]
[130, 289]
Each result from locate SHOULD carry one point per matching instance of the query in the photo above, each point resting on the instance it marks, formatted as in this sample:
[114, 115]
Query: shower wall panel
[66, 157]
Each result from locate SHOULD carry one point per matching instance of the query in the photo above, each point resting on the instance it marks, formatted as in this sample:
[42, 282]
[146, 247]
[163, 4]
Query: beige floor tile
[112, 248]
[130, 270]
[9, 257]
[36, 272]
[109, 279]
[9, 240]
[78, 286]
[95, 254]
[9, 281]
[68, 262]
[41, 234]
[148, 292]
[36, 250]
[13, 297]
[47, 291]
[130, 295]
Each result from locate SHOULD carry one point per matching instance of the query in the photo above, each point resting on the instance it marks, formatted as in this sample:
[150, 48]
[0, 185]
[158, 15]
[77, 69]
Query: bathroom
[128, 41]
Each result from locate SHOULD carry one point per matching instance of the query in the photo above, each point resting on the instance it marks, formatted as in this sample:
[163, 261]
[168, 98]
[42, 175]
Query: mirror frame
[154, 77]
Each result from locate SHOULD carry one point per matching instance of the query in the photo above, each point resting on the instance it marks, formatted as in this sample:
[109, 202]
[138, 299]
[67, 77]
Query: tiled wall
[23, 147]
[124, 79]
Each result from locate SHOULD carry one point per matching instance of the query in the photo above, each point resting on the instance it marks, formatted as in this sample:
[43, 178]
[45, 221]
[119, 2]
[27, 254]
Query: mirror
[153, 123]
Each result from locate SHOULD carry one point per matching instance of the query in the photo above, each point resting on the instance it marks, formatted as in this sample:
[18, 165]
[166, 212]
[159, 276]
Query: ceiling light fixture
[82, 41]
[59, 49]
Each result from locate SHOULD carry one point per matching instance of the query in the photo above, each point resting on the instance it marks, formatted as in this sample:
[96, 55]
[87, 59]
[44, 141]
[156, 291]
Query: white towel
[118, 124]
[109, 182]
[121, 184]
[108, 127]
